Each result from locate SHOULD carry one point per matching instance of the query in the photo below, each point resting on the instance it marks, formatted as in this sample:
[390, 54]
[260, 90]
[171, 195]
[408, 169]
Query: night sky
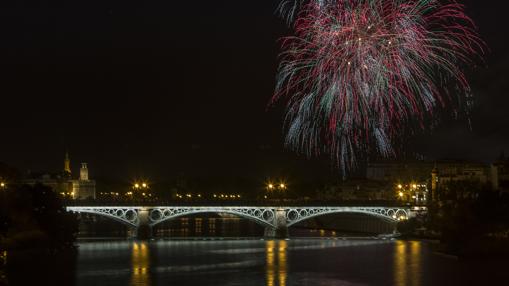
[154, 88]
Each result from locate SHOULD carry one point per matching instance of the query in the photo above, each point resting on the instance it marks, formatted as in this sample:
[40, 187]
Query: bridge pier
[281, 229]
[280, 233]
[395, 231]
[144, 229]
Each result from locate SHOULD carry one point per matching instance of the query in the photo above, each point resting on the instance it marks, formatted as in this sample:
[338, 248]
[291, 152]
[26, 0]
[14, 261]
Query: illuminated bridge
[276, 220]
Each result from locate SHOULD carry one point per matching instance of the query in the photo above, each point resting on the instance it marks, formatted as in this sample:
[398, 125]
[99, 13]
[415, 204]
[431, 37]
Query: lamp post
[402, 193]
[277, 189]
[282, 190]
[140, 189]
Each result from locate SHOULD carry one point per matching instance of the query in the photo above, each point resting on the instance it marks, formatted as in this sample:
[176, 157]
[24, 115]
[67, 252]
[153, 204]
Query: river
[297, 262]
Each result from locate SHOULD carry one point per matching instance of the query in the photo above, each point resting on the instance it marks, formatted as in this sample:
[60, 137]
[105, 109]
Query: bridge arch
[392, 215]
[276, 220]
[261, 216]
[125, 215]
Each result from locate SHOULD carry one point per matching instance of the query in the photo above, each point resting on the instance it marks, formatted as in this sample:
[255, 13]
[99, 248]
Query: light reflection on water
[415, 262]
[407, 263]
[141, 264]
[282, 263]
[296, 262]
[271, 277]
[400, 264]
[247, 262]
[276, 267]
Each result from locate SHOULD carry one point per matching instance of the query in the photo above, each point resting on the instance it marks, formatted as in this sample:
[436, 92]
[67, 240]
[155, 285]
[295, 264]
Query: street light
[275, 190]
[140, 190]
[143, 185]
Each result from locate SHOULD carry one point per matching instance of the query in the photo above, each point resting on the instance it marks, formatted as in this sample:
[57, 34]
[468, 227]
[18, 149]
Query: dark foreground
[254, 262]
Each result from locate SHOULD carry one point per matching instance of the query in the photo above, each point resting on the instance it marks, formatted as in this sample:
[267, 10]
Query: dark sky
[154, 88]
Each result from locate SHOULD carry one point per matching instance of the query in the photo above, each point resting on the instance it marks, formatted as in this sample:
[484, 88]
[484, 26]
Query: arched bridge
[276, 220]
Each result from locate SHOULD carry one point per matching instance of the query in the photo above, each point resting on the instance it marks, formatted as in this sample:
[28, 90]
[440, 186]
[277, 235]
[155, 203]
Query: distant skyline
[155, 89]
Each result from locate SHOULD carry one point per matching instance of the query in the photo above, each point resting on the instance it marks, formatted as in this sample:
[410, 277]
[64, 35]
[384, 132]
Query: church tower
[84, 172]
[67, 163]
[434, 184]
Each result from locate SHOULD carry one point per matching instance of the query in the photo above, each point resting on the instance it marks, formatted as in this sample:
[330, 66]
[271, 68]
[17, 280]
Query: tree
[35, 216]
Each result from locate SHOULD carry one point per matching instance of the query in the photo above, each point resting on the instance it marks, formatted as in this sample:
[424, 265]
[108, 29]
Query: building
[407, 171]
[499, 172]
[58, 182]
[420, 171]
[83, 187]
[415, 179]
[356, 190]
[63, 182]
[462, 171]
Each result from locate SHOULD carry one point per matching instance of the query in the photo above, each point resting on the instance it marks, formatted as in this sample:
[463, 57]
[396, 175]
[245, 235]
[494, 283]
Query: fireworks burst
[357, 72]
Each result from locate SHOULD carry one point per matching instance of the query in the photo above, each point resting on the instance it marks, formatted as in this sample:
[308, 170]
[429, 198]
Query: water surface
[276, 262]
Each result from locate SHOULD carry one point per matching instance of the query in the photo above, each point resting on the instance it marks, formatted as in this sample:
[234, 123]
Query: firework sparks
[359, 71]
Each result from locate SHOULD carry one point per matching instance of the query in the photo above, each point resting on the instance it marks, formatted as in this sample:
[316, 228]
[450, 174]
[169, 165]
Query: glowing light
[140, 262]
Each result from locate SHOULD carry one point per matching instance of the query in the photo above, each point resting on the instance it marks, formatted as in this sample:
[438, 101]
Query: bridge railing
[285, 202]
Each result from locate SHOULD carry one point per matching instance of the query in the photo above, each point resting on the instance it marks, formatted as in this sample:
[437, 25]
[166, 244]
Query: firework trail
[357, 72]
